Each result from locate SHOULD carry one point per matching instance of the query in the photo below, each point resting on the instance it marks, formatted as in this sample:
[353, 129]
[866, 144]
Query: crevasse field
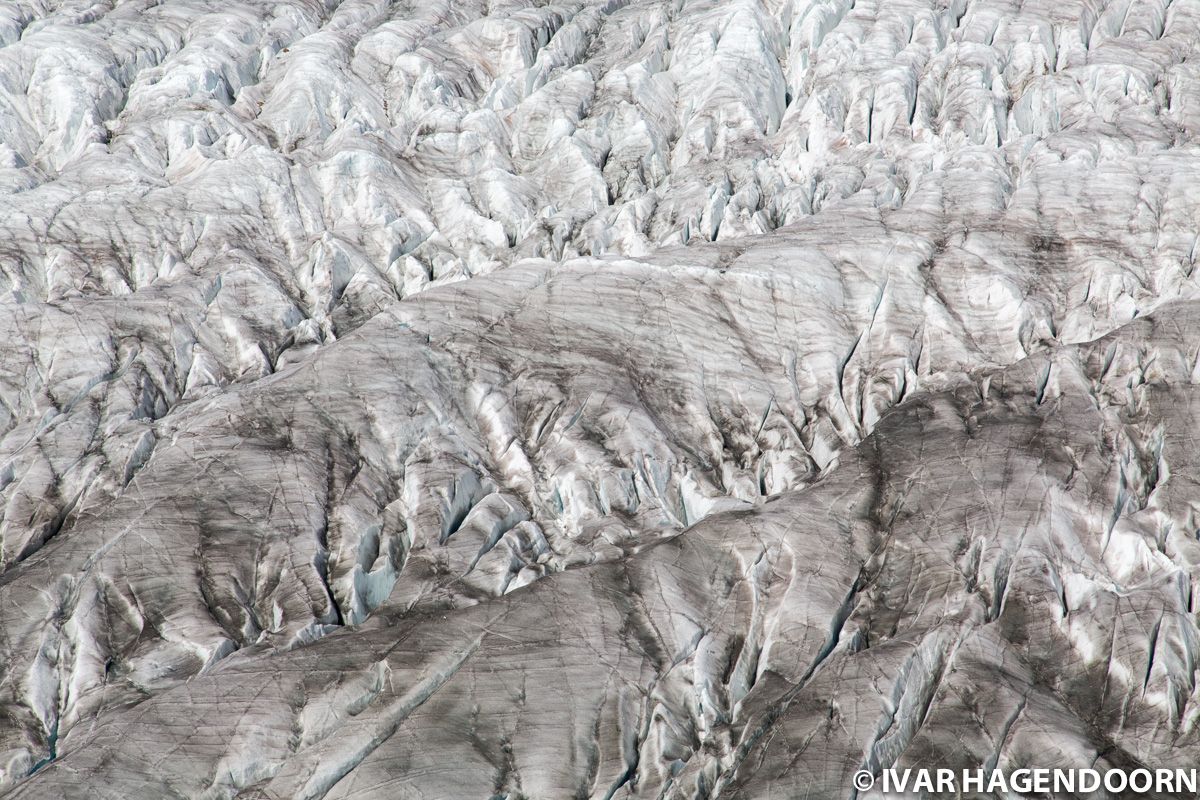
[449, 399]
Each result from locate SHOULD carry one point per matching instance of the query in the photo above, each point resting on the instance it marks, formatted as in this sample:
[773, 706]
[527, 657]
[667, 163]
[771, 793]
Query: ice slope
[1002, 574]
[820, 397]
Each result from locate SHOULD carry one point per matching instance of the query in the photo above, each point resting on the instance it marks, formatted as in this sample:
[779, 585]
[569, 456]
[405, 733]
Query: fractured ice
[640, 398]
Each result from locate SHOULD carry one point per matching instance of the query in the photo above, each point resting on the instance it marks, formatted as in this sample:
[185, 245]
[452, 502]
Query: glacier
[522, 399]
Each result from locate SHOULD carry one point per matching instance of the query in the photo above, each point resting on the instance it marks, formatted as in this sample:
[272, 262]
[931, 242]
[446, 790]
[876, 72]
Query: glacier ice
[622, 398]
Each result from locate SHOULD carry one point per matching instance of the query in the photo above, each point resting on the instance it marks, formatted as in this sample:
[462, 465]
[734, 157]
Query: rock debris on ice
[640, 398]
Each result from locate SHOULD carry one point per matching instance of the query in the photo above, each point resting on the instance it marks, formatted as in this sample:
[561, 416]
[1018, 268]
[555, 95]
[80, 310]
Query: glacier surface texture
[548, 399]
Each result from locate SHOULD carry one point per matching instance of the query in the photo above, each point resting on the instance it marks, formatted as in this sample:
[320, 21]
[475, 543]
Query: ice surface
[594, 399]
